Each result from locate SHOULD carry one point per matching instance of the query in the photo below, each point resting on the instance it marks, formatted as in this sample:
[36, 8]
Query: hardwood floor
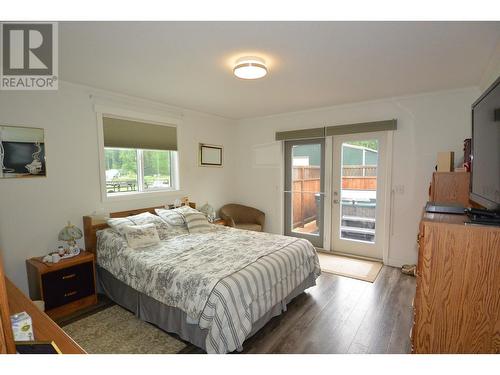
[342, 315]
[338, 315]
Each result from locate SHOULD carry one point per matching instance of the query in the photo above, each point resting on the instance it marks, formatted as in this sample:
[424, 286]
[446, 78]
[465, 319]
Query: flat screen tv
[485, 179]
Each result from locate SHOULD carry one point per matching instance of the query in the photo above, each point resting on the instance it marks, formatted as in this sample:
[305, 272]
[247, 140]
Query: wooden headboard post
[91, 225]
[90, 228]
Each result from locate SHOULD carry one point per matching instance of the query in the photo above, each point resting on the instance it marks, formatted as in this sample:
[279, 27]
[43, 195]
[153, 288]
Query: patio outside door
[304, 189]
[358, 194]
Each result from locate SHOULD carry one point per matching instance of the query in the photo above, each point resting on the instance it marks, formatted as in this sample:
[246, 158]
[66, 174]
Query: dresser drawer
[68, 285]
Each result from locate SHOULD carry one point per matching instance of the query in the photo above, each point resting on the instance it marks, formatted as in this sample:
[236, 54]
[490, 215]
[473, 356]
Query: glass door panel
[358, 192]
[358, 184]
[304, 189]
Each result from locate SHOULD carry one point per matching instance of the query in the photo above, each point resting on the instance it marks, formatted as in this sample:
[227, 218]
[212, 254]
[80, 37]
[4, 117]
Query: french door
[359, 194]
[304, 189]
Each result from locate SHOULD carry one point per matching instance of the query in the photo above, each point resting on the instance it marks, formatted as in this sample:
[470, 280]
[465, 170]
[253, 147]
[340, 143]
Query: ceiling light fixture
[250, 67]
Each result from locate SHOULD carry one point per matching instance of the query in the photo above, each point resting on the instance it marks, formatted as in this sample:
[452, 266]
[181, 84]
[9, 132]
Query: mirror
[22, 152]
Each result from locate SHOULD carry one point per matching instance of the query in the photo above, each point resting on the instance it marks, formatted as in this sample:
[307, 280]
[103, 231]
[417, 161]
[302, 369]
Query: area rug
[360, 269]
[117, 331]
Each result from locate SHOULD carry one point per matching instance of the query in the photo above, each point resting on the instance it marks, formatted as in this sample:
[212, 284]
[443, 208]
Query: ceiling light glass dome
[250, 67]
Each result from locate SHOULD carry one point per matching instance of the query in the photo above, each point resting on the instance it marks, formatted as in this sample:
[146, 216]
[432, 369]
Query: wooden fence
[359, 183]
[359, 177]
[306, 183]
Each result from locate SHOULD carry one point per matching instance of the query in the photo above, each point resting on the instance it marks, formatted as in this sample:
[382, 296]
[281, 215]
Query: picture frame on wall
[22, 152]
[210, 155]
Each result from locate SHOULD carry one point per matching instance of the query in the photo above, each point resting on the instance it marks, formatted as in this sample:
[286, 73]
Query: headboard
[91, 225]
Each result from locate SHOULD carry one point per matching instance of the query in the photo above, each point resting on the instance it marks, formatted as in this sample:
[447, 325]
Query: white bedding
[224, 280]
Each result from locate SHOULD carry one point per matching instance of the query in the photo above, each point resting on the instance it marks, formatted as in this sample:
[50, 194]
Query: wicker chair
[243, 217]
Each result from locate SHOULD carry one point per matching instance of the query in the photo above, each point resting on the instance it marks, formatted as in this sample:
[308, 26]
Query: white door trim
[327, 204]
[389, 193]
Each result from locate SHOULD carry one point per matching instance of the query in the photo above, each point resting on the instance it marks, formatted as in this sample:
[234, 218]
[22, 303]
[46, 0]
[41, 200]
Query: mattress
[224, 280]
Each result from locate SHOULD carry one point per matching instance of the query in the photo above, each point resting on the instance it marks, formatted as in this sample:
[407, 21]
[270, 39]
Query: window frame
[120, 113]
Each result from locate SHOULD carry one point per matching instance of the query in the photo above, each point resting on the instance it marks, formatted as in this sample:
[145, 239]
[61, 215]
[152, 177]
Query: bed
[214, 289]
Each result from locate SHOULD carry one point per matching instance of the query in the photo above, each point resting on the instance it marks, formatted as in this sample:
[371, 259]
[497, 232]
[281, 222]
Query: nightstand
[219, 222]
[66, 286]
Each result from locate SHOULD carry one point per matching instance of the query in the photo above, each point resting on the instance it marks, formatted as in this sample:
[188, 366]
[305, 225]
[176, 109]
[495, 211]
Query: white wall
[492, 71]
[32, 211]
[427, 124]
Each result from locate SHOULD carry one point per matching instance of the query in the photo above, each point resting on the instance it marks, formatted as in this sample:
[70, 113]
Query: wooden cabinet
[65, 286]
[457, 302]
[450, 187]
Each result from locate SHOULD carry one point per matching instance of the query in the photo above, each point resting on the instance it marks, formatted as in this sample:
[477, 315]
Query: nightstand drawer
[68, 285]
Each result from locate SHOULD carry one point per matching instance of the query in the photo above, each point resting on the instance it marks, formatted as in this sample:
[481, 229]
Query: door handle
[335, 195]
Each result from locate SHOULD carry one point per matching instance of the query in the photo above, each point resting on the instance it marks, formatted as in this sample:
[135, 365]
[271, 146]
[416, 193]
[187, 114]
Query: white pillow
[119, 224]
[172, 217]
[196, 222]
[149, 218]
[141, 235]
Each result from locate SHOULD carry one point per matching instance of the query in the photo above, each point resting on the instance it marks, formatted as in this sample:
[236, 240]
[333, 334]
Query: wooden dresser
[457, 302]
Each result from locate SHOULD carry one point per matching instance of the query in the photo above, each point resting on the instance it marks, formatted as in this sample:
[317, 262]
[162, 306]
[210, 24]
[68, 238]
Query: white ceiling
[311, 64]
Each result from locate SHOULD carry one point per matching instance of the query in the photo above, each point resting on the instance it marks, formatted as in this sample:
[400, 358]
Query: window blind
[121, 133]
[362, 127]
[300, 134]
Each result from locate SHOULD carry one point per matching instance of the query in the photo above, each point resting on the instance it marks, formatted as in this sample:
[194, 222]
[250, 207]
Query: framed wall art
[210, 155]
[22, 152]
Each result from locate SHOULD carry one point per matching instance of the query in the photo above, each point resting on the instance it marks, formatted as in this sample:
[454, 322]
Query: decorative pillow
[141, 235]
[172, 217]
[119, 224]
[149, 218]
[196, 222]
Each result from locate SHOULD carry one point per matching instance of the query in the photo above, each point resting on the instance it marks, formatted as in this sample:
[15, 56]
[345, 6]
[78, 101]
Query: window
[156, 169]
[139, 157]
[137, 170]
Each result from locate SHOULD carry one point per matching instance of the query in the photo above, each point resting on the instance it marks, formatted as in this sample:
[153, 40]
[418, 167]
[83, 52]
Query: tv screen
[485, 180]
